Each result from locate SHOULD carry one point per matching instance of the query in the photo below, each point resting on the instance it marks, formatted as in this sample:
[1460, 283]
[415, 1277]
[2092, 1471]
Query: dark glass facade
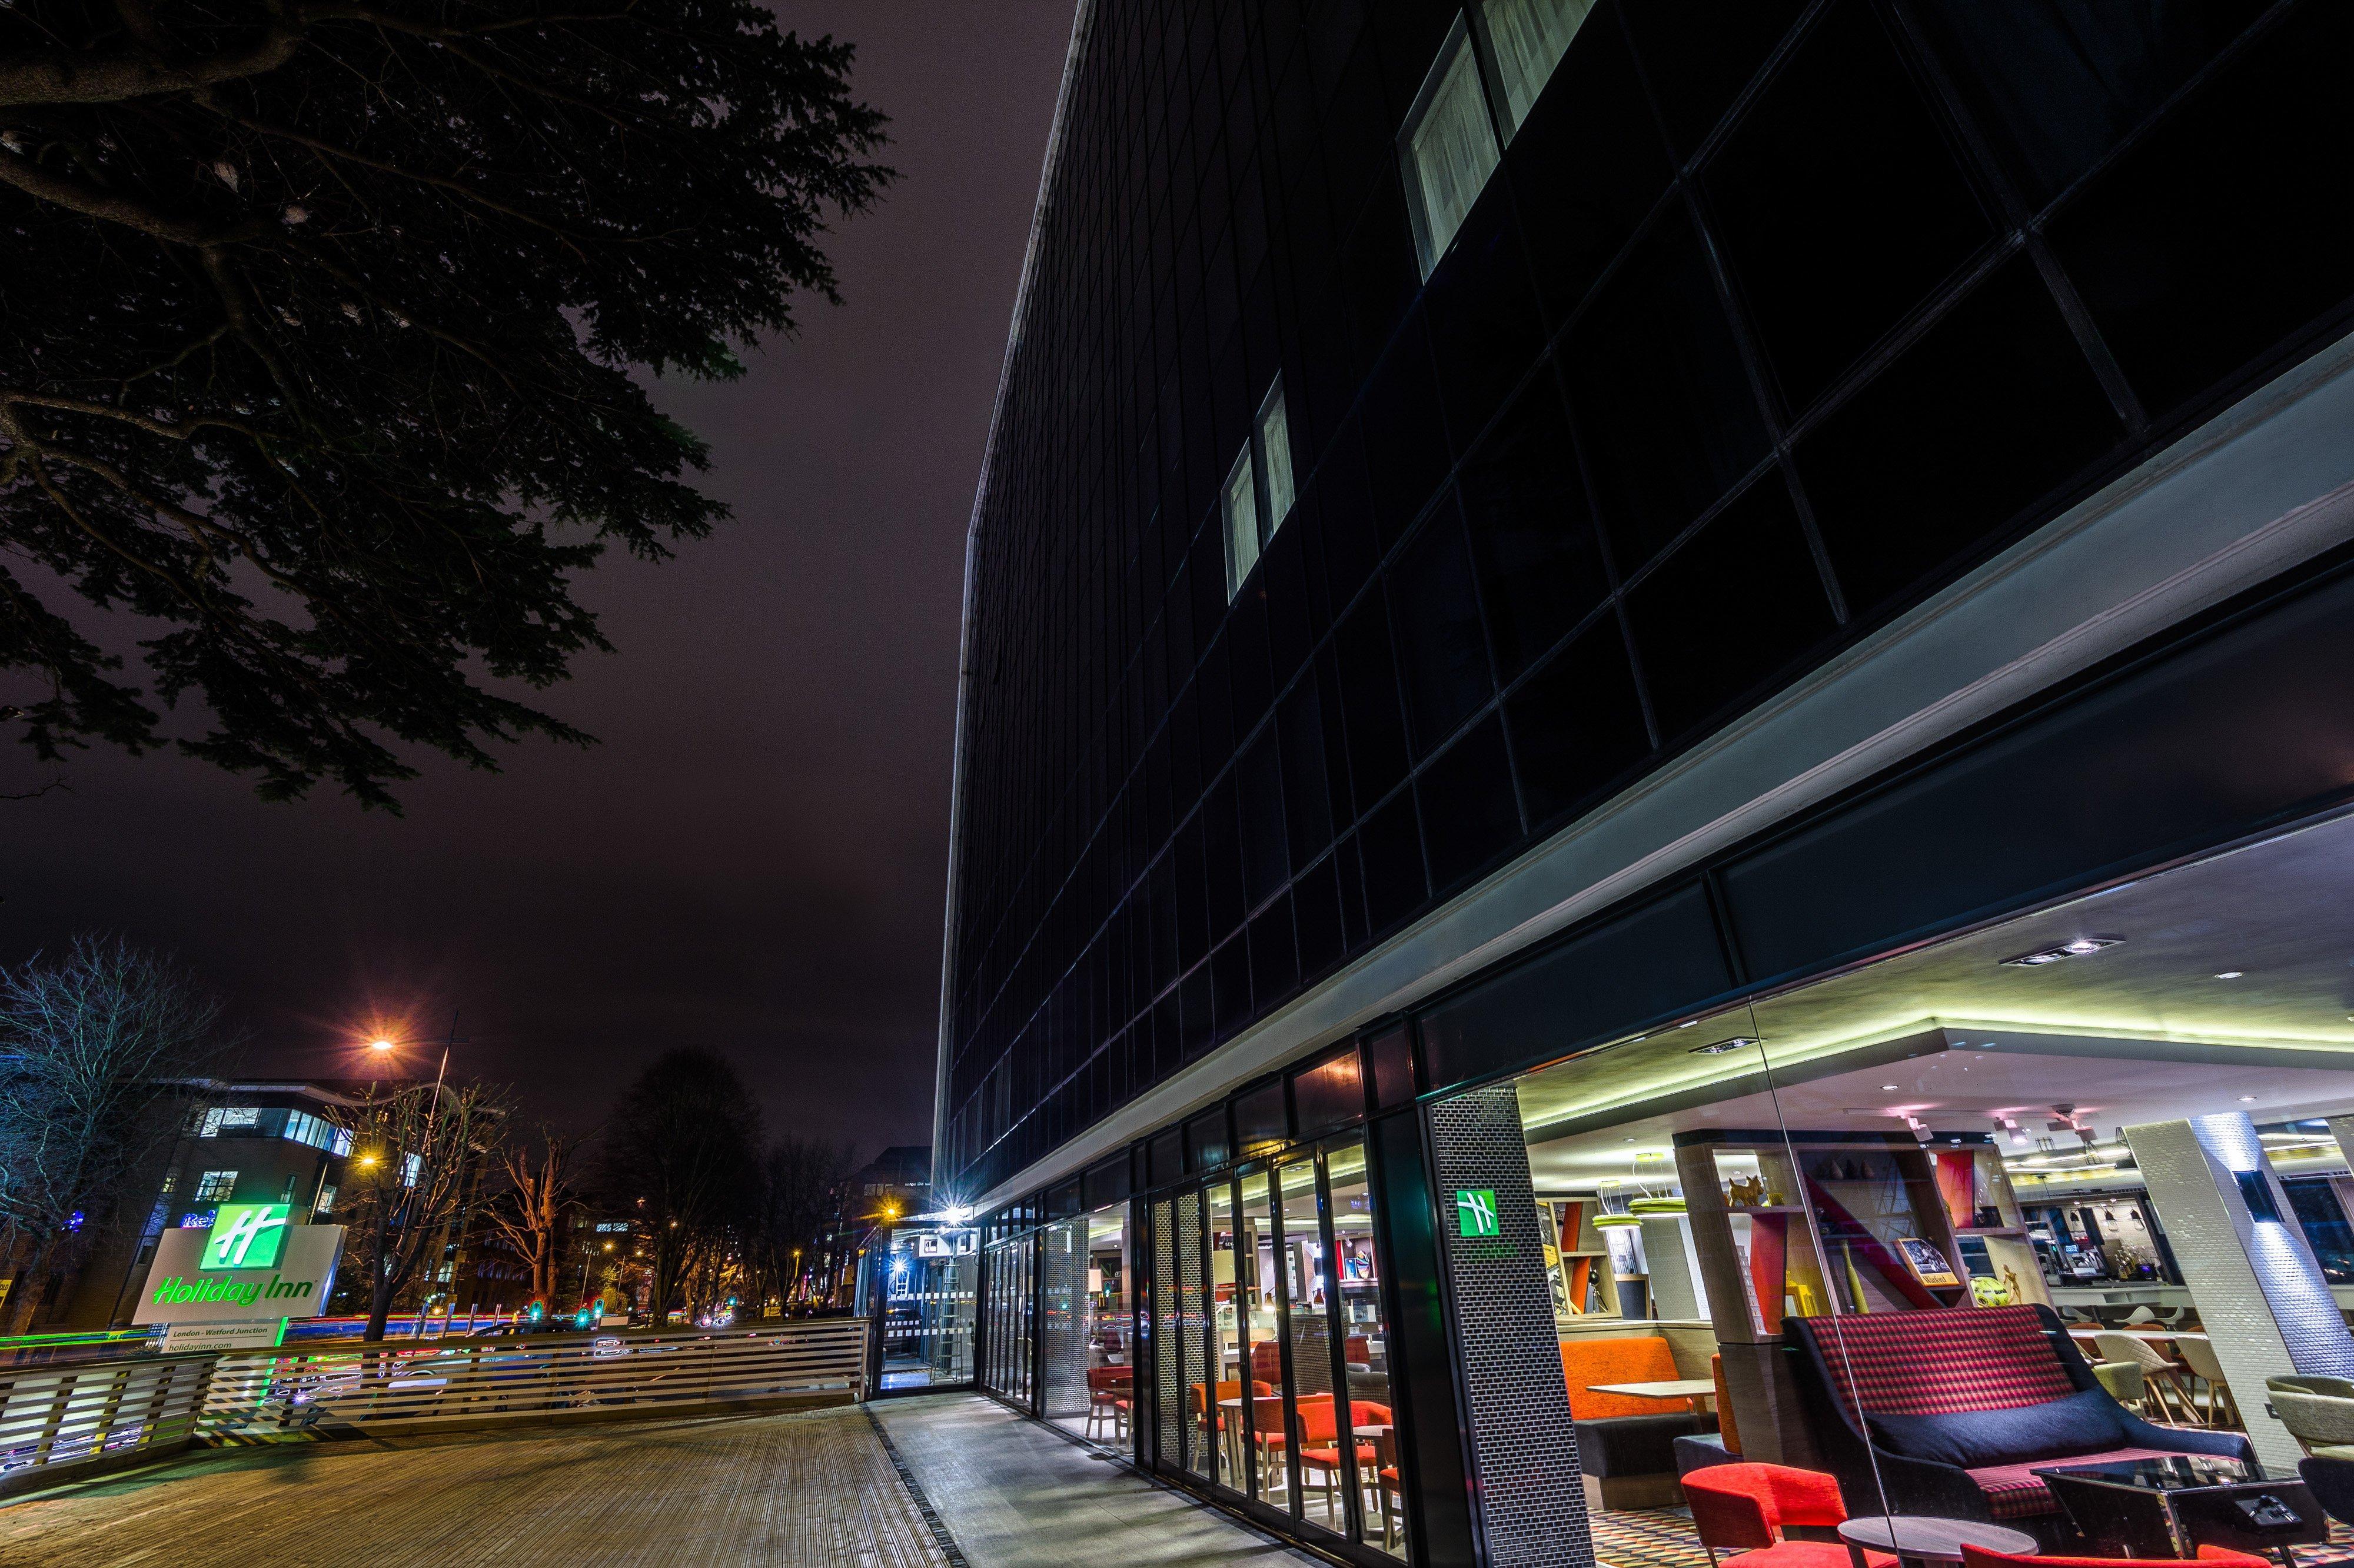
[1774, 318]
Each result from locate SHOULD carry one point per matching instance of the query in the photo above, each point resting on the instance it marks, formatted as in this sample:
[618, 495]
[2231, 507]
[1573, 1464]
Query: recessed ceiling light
[2247, 1099]
[2082, 947]
[1888, 1087]
[2229, 974]
[1738, 1042]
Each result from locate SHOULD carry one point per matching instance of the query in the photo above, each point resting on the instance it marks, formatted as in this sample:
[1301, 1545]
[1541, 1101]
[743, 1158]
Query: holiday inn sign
[253, 1264]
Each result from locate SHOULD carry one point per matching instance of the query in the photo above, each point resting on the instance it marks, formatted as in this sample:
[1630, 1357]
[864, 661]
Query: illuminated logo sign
[1475, 1210]
[247, 1235]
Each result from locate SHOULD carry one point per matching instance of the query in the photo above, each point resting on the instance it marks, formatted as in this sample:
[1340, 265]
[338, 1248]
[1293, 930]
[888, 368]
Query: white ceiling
[2142, 1031]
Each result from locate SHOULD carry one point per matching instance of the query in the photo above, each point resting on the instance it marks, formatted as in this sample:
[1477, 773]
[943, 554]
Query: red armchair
[1741, 1510]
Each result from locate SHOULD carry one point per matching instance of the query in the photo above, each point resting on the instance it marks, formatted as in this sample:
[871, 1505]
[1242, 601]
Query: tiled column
[1530, 1496]
[2258, 1288]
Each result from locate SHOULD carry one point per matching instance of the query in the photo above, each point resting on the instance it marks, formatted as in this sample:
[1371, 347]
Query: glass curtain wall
[1290, 1276]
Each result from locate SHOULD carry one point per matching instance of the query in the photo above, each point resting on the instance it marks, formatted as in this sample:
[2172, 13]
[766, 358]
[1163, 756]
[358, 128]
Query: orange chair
[1741, 1509]
[1208, 1418]
[1269, 1437]
[1110, 1393]
[1980, 1557]
[1320, 1445]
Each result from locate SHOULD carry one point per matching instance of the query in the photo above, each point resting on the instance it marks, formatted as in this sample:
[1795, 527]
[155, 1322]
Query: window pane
[1364, 1348]
[1451, 149]
[1240, 507]
[1306, 1326]
[1263, 1352]
[1226, 1403]
[1528, 38]
[1275, 452]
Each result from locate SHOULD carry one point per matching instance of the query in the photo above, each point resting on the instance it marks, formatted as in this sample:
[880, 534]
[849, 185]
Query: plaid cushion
[2012, 1493]
[1938, 1363]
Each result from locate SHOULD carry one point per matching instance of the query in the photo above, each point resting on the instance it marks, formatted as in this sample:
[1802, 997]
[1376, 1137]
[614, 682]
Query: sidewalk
[1012, 1494]
[813, 1490]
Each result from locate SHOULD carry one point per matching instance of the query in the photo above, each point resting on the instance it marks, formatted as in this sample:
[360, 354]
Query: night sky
[754, 860]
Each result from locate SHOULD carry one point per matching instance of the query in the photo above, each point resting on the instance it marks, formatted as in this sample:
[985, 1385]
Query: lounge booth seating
[1957, 1406]
[1626, 1446]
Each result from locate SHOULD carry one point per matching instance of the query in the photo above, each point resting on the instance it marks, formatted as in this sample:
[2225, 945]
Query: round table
[1919, 1538]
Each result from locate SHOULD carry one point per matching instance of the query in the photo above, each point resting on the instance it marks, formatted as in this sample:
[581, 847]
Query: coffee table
[1924, 1537]
[2173, 1505]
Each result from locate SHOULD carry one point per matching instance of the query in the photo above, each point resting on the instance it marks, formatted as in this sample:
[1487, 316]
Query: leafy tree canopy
[317, 327]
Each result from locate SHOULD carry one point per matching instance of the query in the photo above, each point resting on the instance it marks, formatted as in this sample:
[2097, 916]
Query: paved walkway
[1013, 1494]
[801, 1490]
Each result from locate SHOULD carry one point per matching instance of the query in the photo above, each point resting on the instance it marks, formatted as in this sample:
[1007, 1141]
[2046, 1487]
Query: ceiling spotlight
[2247, 1099]
[1888, 1088]
[2082, 947]
[2229, 974]
[1738, 1042]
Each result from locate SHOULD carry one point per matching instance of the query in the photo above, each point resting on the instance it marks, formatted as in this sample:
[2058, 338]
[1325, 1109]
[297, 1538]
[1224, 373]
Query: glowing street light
[382, 1045]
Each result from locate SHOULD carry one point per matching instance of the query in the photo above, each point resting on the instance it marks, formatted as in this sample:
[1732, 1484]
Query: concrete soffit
[2265, 485]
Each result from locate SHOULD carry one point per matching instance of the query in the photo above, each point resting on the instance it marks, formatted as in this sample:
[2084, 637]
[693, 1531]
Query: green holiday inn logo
[246, 1236]
[1475, 1210]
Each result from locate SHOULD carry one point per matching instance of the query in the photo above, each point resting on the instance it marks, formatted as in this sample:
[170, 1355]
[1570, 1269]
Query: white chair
[2158, 1375]
[2198, 1352]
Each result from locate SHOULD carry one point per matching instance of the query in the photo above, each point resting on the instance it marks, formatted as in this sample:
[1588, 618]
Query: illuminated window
[326, 1200]
[1257, 495]
[1479, 90]
[216, 1186]
[1526, 38]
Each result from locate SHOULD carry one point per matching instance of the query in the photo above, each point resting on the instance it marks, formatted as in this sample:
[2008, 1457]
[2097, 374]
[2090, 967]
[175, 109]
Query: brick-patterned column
[2258, 1287]
[1530, 1492]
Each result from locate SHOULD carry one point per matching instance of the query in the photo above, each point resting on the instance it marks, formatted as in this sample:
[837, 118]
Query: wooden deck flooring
[783, 1492]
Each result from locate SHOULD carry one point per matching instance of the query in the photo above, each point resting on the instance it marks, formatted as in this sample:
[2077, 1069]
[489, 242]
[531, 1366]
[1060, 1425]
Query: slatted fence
[264, 1395]
[62, 1419]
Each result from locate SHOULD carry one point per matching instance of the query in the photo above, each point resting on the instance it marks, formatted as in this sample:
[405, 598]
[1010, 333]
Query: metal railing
[64, 1418]
[264, 1395]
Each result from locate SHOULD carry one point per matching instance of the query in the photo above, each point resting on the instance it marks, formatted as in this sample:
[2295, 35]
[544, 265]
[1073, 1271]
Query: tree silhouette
[323, 331]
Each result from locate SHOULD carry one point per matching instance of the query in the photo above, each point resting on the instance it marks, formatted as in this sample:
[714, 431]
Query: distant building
[895, 1184]
[248, 1142]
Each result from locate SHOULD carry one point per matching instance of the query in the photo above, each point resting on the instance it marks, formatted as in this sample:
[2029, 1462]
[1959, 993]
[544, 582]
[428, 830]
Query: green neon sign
[246, 1236]
[1475, 1210]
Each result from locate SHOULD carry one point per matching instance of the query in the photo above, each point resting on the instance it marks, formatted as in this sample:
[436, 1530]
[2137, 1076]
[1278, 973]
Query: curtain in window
[1454, 151]
[1275, 454]
[1241, 508]
[1529, 37]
